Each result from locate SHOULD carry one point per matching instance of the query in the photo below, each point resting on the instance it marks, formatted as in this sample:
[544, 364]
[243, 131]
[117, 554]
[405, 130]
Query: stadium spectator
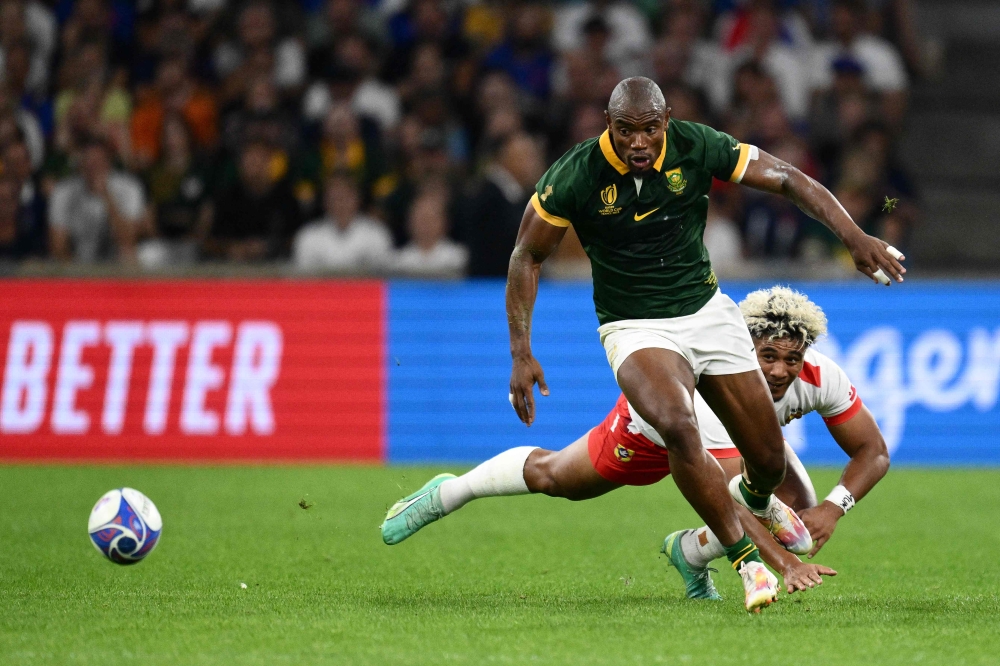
[258, 49]
[16, 164]
[343, 239]
[19, 124]
[422, 22]
[179, 187]
[431, 253]
[628, 35]
[175, 92]
[781, 62]
[255, 217]
[18, 239]
[350, 77]
[15, 71]
[525, 55]
[92, 100]
[423, 160]
[408, 96]
[882, 69]
[348, 145]
[98, 214]
[261, 117]
[28, 25]
[495, 210]
[339, 20]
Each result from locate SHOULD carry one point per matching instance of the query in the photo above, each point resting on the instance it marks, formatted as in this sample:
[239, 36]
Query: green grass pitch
[525, 580]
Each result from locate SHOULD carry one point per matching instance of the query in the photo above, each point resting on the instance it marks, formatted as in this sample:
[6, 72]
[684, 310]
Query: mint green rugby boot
[414, 511]
[697, 580]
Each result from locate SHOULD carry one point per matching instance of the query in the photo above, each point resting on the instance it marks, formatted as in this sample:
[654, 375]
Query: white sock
[500, 475]
[701, 547]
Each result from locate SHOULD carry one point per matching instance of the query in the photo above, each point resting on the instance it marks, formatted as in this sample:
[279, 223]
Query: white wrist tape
[842, 497]
[879, 274]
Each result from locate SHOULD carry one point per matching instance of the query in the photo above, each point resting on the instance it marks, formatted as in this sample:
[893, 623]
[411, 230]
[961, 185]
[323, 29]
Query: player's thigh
[659, 384]
[567, 473]
[797, 489]
[744, 405]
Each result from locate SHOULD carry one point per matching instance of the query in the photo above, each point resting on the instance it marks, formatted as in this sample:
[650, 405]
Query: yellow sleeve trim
[741, 164]
[554, 220]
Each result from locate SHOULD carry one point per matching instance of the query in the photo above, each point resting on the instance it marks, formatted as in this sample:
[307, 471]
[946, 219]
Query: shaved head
[637, 118]
[636, 96]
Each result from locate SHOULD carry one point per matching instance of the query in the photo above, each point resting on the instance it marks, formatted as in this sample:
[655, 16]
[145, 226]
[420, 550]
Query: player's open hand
[876, 258]
[821, 521]
[523, 376]
[802, 576]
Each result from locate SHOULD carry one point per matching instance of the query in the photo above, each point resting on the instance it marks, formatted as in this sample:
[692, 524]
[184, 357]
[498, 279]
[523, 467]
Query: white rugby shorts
[714, 340]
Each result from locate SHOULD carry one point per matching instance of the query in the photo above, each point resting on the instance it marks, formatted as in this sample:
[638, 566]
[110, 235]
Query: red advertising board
[192, 370]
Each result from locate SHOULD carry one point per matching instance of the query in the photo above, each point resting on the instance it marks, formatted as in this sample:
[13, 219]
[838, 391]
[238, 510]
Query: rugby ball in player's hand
[124, 525]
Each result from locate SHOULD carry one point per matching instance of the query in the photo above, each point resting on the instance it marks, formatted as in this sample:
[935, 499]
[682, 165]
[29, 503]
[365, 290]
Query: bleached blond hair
[780, 312]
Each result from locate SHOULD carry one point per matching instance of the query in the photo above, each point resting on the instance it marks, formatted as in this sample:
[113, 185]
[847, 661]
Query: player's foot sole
[697, 580]
[779, 519]
[760, 585]
[407, 516]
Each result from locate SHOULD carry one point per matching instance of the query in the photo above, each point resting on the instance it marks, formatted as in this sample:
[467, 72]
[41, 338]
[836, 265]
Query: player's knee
[767, 469]
[543, 474]
[679, 430]
[539, 473]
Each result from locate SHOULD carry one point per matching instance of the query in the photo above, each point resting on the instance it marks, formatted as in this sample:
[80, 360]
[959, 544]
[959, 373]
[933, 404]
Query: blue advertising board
[925, 358]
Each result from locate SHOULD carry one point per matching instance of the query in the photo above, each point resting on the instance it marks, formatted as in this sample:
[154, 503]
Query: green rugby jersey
[646, 251]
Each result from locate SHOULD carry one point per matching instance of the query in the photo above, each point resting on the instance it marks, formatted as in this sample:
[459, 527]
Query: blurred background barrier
[925, 358]
[222, 370]
[408, 371]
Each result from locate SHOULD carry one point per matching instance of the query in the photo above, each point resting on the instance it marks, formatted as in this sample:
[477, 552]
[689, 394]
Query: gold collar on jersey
[612, 157]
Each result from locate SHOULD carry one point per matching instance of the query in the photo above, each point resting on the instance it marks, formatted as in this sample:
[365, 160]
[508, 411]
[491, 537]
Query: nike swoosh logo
[645, 215]
[398, 508]
[736, 147]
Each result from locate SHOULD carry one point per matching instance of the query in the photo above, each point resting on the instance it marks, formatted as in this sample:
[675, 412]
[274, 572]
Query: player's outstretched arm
[861, 439]
[769, 174]
[536, 240]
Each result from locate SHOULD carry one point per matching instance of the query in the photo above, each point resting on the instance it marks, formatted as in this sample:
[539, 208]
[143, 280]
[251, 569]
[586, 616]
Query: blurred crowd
[404, 137]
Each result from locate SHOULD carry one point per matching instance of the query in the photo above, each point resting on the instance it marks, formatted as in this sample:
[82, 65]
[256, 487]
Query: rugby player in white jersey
[784, 324]
[624, 450]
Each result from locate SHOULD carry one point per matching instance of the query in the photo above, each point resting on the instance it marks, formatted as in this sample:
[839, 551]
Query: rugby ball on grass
[124, 525]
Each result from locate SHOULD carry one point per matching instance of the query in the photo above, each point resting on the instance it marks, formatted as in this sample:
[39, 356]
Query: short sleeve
[725, 157]
[554, 199]
[839, 399]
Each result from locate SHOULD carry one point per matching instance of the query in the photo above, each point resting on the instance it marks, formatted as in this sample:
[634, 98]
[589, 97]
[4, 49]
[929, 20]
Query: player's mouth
[777, 388]
[640, 162]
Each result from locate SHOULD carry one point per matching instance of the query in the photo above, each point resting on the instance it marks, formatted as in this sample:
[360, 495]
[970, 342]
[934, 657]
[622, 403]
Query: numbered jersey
[643, 235]
[821, 387]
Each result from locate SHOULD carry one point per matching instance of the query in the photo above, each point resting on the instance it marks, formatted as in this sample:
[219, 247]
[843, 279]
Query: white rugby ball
[124, 525]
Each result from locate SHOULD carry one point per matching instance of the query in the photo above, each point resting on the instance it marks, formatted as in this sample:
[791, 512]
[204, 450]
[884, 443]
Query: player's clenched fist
[523, 376]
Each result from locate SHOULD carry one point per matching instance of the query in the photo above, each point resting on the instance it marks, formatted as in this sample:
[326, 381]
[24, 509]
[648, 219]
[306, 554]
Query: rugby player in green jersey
[637, 197]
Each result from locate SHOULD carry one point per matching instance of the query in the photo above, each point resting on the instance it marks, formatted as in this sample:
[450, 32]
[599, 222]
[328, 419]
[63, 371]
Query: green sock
[743, 550]
[755, 500]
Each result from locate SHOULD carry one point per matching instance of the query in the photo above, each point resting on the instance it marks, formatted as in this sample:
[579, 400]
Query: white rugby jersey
[821, 387]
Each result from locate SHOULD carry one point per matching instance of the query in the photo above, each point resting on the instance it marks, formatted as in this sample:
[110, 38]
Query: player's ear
[607, 119]
[666, 115]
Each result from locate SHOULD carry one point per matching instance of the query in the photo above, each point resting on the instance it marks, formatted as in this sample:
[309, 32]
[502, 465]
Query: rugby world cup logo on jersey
[676, 181]
[609, 195]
